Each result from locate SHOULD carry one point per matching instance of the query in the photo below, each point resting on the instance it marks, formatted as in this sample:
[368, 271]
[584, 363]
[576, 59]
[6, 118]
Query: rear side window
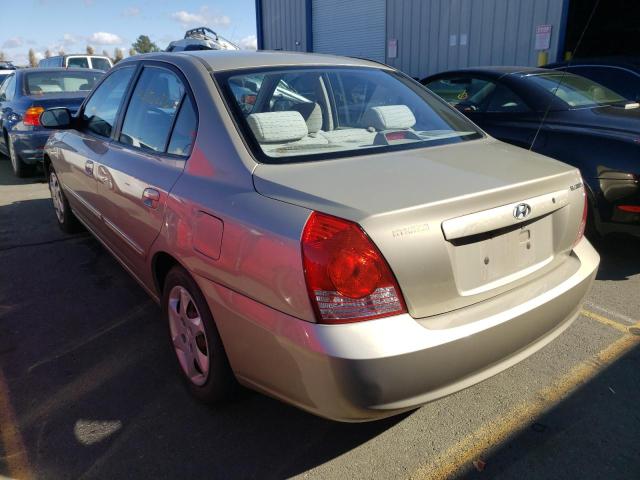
[100, 112]
[153, 107]
[461, 89]
[100, 63]
[184, 131]
[81, 62]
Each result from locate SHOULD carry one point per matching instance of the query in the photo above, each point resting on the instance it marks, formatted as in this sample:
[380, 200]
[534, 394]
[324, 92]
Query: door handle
[150, 197]
[103, 177]
[88, 168]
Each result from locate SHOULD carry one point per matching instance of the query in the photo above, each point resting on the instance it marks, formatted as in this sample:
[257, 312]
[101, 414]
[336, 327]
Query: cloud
[13, 42]
[203, 17]
[67, 40]
[131, 12]
[250, 42]
[105, 38]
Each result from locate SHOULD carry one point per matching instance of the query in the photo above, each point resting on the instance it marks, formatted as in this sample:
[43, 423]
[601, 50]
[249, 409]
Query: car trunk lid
[70, 100]
[443, 217]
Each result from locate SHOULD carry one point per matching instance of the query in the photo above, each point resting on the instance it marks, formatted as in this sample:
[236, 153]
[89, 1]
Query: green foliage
[144, 45]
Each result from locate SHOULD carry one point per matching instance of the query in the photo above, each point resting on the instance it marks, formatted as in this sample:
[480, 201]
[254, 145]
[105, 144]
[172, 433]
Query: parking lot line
[489, 436]
[605, 321]
[14, 449]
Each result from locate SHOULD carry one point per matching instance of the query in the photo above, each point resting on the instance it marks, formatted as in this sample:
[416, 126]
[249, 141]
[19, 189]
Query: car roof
[77, 55]
[61, 69]
[496, 72]
[223, 60]
[619, 61]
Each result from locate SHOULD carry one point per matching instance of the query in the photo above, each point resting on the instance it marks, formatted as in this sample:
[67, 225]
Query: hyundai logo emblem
[521, 211]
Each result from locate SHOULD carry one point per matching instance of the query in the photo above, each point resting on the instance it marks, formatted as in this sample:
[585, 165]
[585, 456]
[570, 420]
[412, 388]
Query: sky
[71, 25]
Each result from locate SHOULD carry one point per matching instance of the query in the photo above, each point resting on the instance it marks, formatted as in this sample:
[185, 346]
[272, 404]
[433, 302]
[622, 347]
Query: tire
[67, 221]
[591, 230]
[193, 335]
[20, 169]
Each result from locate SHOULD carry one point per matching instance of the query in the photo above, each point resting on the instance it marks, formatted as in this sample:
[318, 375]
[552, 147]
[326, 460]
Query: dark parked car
[587, 125]
[620, 74]
[24, 95]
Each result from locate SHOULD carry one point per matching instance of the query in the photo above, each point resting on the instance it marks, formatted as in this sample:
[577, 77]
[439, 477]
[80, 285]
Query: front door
[144, 161]
[83, 148]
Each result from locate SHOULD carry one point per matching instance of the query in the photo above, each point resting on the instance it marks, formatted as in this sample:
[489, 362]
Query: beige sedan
[321, 229]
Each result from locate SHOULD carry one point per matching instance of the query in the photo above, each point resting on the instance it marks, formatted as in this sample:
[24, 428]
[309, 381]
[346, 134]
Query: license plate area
[489, 260]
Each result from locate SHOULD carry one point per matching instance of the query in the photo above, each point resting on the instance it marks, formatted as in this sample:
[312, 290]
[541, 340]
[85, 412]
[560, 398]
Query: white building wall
[437, 35]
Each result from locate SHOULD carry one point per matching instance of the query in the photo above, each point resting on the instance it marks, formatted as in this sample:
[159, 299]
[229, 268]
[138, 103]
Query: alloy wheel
[188, 335]
[12, 154]
[56, 196]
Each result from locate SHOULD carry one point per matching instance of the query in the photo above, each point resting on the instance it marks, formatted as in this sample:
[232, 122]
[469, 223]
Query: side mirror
[56, 118]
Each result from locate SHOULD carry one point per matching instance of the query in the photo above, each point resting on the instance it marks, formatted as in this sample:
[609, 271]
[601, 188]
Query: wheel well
[162, 263]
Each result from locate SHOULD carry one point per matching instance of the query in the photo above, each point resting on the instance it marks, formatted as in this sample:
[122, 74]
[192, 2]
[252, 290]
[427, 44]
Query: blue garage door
[355, 28]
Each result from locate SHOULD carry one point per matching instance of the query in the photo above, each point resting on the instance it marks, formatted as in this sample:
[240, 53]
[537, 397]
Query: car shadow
[619, 258]
[580, 437]
[8, 178]
[91, 384]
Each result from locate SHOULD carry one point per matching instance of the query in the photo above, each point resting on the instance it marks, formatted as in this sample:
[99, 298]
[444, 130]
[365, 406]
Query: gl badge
[521, 211]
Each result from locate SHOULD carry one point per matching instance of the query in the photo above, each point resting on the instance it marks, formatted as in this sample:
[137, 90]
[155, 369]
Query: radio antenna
[564, 72]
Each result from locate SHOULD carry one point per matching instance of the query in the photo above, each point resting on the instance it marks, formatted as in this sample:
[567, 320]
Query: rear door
[82, 149]
[7, 92]
[144, 161]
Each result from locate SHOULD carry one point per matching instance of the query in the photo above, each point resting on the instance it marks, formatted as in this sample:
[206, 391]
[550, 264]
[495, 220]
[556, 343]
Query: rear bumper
[30, 146]
[369, 370]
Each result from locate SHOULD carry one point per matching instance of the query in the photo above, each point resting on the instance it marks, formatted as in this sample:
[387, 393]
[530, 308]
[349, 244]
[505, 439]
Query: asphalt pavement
[88, 386]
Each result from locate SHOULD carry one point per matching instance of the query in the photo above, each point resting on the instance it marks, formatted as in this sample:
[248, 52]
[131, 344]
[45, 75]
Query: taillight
[583, 223]
[347, 277]
[629, 208]
[32, 116]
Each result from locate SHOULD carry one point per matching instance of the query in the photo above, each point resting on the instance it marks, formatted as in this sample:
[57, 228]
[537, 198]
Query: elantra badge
[521, 211]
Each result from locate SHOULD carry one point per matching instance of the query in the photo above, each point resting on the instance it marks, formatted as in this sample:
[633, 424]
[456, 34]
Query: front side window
[80, 62]
[152, 109]
[621, 81]
[100, 112]
[575, 91]
[327, 112]
[41, 83]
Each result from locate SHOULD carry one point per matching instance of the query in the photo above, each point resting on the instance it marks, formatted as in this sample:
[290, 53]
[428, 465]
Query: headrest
[273, 127]
[312, 114]
[389, 117]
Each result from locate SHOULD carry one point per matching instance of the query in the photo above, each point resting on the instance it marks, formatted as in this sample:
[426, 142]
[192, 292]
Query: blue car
[24, 95]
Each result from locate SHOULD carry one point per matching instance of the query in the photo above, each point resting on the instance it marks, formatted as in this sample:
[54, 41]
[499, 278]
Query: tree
[132, 52]
[61, 52]
[106, 54]
[90, 50]
[47, 53]
[144, 45]
[118, 55]
[33, 61]
[2, 57]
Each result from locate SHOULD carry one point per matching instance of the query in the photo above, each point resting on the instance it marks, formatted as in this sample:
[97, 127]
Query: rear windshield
[39, 83]
[100, 63]
[293, 115]
[576, 91]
